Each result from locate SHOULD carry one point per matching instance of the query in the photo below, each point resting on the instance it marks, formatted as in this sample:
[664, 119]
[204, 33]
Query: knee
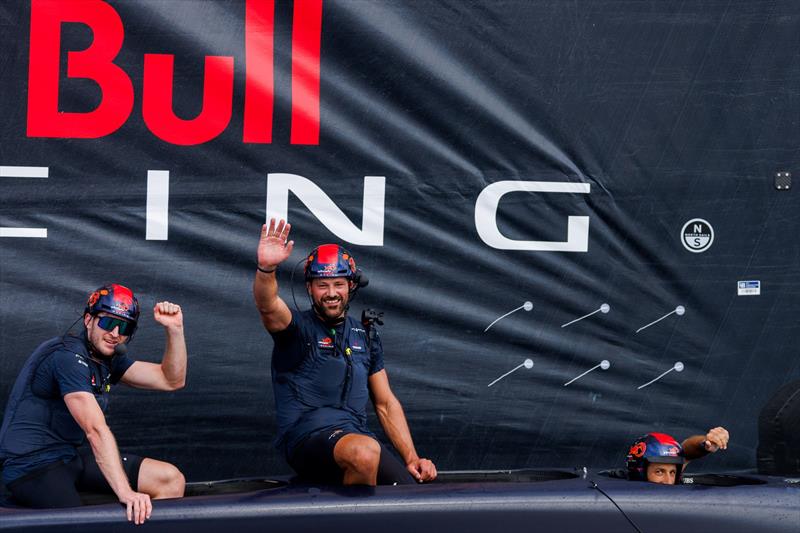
[364, 457]
[170, 482]
[174, 482]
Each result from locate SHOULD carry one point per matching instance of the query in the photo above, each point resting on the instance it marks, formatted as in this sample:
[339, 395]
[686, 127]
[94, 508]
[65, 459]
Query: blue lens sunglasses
[108, 323]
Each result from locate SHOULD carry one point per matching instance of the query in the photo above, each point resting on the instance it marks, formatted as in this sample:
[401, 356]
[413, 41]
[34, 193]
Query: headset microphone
[120, 349]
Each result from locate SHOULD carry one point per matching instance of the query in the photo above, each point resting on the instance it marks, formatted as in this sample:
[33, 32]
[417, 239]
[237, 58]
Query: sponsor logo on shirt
[81, 361]
[326, 343]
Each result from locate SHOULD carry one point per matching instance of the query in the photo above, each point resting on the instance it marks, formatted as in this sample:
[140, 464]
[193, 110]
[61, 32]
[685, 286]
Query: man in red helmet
[58, 402]
[659, 458]
[325, 368]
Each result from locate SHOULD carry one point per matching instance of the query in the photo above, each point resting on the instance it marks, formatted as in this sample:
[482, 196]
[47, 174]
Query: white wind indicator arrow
[527, 363]
[604, 364]
[680, 310]
[677, 367]
[605, 308]
[526, 306]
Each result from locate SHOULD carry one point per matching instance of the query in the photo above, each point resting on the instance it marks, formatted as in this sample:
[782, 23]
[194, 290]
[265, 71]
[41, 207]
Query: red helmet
[115, 300]
[330, 261]
[653, 448]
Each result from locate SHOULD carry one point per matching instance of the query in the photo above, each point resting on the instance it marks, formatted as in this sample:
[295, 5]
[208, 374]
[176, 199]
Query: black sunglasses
[108, 323]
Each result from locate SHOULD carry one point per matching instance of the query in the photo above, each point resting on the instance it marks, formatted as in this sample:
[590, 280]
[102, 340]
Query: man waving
[325, 368]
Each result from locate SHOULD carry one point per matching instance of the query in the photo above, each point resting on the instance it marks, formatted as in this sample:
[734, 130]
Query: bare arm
[698, 446]
[273, 249]
[393, 419]
[87, 413]
[170, 375]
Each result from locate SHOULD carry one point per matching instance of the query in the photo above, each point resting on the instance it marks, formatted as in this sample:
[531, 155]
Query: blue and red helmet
[330, 261]
[653, 448]
[115, 300]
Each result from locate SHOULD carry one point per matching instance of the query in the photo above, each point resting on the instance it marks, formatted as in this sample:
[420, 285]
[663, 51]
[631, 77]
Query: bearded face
[330, 296]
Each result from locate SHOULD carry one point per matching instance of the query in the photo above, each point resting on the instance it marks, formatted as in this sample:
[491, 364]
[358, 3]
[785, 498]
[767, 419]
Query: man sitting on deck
[59, 401]
[325, 367]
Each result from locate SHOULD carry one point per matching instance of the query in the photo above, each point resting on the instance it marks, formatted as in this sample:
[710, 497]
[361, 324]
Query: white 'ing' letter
[486, 217]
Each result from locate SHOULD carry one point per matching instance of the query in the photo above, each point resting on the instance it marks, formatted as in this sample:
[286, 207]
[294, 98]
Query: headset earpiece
[360, 279]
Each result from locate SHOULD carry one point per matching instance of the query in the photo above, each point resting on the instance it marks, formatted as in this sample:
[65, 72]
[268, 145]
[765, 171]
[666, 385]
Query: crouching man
[59, 401]
[659, 458]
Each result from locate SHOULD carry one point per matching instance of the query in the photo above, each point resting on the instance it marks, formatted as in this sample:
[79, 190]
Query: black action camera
[370, 317]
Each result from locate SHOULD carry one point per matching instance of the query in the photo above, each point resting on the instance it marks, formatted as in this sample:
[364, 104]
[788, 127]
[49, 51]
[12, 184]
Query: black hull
[485, 502]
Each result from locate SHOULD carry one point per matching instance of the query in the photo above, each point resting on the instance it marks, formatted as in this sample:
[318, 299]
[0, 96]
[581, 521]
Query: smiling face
[103, 341]
[663, 473]
[330, 296]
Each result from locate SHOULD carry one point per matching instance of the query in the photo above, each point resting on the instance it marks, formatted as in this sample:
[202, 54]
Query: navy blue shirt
[38, 429]
[320, 377]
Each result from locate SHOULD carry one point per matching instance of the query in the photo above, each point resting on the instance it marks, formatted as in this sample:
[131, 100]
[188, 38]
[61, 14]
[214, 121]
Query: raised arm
[393, 419]
[170, 374]
[273, 249]
[698, 446]
[87, 413]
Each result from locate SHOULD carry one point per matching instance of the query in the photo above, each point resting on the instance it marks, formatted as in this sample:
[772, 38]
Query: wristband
[266, 271]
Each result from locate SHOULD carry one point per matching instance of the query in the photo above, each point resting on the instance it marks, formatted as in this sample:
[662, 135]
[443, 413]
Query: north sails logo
[697, 235]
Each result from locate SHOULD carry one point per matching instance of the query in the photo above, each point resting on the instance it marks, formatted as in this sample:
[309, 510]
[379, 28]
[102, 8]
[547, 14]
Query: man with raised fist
[59, 401]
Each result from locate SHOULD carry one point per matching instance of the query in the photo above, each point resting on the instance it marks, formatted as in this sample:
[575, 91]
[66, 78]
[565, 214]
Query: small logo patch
[673, 451]
[697, 235]
[749, 288]
[638, 449]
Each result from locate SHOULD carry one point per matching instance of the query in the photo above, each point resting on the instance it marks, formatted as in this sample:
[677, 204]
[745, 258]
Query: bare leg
[358, 456]
[160, 480]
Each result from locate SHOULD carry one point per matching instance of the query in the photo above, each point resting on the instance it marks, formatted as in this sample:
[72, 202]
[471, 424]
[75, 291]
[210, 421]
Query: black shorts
[57, 484]
[314, 462]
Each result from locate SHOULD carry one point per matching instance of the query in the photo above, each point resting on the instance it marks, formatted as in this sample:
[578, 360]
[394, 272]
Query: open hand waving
[273, 247]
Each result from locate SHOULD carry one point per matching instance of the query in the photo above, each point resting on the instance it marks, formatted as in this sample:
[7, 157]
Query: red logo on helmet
[123, 298]
[638, 449]
[93, 299]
